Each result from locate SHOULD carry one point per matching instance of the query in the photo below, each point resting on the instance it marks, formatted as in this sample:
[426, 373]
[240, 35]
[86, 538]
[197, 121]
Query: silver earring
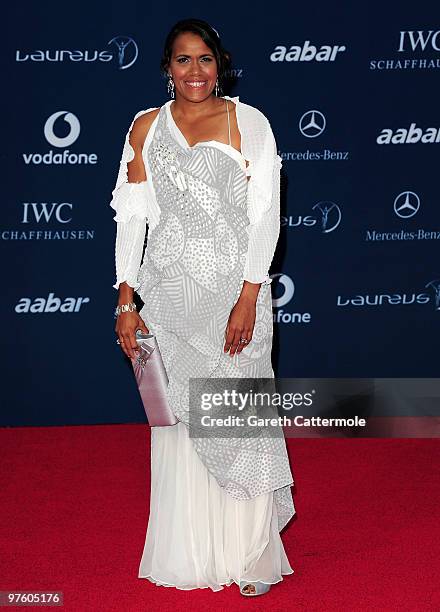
[216, 87]
[170, 86]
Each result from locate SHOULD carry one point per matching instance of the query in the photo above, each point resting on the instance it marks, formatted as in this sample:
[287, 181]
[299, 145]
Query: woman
[202, 171]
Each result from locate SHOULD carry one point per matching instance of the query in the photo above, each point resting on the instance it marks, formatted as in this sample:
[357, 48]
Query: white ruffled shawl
[258, 146]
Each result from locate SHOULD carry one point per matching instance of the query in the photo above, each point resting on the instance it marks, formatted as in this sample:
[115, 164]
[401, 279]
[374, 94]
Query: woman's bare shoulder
[141, 125]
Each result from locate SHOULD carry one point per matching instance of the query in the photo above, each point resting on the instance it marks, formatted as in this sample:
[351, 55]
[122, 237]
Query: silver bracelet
[125, 308]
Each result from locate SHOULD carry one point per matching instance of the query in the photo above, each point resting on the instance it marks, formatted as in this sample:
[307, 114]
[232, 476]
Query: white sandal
[260, 588]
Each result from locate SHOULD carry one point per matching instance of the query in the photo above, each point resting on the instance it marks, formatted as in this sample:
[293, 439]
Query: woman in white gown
[212, 211]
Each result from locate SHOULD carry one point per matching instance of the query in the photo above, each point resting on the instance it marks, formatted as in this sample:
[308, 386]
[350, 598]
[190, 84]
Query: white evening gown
[199, 536]
[200, 248]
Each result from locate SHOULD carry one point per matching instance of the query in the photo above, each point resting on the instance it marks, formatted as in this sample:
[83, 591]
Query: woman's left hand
[240, 325]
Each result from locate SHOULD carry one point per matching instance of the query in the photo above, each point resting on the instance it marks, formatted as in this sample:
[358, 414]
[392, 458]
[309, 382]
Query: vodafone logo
[285, 287]
[65, 141]
[61, 130]
[288, 290]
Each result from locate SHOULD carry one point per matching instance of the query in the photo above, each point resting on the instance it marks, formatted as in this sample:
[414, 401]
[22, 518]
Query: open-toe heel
[260, 588]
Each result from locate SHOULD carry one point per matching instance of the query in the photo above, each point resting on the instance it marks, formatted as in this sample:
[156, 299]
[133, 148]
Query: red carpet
[75, 507]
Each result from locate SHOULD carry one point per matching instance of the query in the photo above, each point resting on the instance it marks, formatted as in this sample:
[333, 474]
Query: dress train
[199, 536]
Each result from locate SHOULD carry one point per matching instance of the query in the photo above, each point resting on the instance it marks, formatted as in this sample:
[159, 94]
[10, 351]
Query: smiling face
[193, 67]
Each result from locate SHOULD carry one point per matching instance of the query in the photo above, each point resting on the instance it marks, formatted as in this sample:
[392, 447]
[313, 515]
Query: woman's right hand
[126, 325]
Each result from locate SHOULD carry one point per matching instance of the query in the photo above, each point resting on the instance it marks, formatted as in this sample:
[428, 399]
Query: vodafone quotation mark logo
[70, 138]
[288, 290]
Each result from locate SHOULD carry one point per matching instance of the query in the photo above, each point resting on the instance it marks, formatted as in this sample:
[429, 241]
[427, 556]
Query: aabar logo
[306, 53]
[50, 304]
[411, 135]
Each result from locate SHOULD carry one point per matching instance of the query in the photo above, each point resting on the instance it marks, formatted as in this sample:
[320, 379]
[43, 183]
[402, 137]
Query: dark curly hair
[209, 36]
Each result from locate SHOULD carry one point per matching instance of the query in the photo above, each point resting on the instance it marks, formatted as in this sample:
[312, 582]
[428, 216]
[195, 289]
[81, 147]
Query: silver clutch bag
[152, 380]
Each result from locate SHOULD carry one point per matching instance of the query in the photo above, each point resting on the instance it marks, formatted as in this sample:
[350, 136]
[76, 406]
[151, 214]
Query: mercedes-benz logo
[406, 204]
[312, 124]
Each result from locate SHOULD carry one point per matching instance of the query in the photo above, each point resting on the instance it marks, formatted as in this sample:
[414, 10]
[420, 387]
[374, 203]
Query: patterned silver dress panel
[190, 279]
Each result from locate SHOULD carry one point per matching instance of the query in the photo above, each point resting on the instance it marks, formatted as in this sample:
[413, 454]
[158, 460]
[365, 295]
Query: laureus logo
[328, 220]
[127, 51]
[435, 286]
[391, 298]
[327, 208]
[124, 50]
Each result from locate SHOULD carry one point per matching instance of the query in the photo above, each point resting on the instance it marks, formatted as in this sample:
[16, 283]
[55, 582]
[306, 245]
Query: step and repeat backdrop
[352, 95]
